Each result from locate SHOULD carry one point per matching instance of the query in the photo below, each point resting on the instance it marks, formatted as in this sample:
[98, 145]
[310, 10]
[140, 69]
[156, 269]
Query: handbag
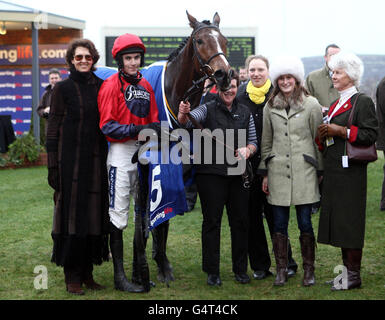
[359, 153]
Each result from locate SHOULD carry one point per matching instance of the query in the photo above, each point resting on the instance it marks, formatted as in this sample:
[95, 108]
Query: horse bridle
[204, 66]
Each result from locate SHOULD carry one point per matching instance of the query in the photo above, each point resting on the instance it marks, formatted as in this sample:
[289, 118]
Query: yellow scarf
[258, 95]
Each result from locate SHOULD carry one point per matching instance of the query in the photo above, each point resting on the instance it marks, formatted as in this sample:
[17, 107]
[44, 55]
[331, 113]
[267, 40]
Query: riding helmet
[128, 43]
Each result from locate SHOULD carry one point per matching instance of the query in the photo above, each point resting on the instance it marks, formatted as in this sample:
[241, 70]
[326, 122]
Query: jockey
[127, 105]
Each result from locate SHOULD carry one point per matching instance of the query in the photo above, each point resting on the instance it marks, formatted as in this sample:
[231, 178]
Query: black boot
[159, 243]
[116, 246]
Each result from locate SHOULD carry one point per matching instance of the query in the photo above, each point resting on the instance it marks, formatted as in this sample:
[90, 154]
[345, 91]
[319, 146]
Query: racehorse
[200, 56]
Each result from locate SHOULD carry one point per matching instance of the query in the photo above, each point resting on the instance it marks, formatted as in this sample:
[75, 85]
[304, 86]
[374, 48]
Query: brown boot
[75, 288]
[280, 253]
[352, 262]
[307, 241]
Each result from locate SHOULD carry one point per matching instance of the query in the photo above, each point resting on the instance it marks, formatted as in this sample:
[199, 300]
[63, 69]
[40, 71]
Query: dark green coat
[343, 202]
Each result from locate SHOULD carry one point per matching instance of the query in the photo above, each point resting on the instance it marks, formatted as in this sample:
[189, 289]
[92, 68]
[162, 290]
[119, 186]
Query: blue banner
[16, 95]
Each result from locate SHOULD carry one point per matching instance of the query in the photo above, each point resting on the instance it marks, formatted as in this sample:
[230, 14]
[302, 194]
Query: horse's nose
[222, 79]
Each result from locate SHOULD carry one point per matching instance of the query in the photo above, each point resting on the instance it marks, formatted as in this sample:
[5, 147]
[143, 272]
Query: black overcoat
[343, 201]
[77, 153]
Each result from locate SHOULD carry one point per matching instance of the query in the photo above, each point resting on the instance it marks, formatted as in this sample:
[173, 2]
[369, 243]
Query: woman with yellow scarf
[254, 94]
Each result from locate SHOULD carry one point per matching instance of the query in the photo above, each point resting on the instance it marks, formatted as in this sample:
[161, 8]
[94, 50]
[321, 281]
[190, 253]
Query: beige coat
[289, 152]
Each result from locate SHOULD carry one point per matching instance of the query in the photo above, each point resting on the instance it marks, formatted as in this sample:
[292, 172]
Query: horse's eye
[199, 41]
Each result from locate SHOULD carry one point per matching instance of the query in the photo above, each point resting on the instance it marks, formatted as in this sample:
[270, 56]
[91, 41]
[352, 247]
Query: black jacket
[219, 117]
[257, 112]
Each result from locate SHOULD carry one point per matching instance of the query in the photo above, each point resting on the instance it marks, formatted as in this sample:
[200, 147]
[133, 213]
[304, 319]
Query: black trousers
[215, 193]
[259, 256]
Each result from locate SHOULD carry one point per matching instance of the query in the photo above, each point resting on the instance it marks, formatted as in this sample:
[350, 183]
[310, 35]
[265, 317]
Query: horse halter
[205, 65]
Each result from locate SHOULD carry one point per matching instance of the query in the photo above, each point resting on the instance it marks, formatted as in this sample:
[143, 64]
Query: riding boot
[116, 246]
[159, 244]
[280, 253]
[291, 264]
[307, 241]
[72, 278]
[352, 262]
[354, 257]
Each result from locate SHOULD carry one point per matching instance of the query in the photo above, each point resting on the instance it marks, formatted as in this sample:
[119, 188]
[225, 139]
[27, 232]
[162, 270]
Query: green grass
[25, 242]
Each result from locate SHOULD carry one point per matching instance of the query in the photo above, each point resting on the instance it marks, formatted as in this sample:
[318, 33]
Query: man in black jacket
[54, 76]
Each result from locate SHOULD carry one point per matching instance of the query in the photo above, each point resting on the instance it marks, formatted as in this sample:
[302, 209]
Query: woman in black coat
[77, 153]
[217, 185]
[254, 94]
[342, 217]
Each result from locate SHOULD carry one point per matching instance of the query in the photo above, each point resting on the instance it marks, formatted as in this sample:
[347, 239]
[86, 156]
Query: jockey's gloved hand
[154, 126]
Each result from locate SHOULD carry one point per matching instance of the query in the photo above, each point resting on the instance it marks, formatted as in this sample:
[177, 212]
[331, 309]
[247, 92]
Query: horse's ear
[192, 20]
[216, 19]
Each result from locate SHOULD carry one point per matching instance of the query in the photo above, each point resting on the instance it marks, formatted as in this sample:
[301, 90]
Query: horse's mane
[176, 52]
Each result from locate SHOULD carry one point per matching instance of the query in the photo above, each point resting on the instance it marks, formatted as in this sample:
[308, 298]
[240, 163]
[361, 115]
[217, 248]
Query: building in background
[23, 30]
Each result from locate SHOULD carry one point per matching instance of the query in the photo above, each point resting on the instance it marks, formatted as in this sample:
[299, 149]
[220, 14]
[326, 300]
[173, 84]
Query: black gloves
[154, 126]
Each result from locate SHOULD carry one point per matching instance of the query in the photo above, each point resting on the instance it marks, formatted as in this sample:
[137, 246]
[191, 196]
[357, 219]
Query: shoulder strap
[352, 111]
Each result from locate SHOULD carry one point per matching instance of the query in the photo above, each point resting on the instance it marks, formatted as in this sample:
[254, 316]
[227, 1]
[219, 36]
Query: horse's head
[210, 50]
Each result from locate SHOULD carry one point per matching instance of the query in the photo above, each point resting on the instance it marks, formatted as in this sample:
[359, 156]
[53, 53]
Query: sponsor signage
[16, 95]
[22, 54]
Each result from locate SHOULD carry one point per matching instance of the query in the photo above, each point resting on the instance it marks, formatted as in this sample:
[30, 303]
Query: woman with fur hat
[290, 161]
[342, 217]
[254, 94]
